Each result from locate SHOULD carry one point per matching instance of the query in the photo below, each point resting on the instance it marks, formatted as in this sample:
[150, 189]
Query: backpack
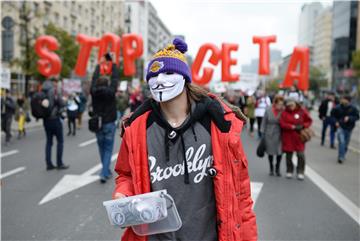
[37, 110]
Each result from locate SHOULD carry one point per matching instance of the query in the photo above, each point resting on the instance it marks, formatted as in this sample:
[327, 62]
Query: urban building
[92, 18]
[344, 41]
[307, 19]
[322, 43]
[141, 18]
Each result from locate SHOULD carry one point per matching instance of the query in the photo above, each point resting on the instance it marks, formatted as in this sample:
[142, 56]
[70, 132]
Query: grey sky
[233, 21]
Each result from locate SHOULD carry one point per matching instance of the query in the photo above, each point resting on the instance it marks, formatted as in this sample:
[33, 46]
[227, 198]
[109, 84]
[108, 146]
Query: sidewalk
[317, 127]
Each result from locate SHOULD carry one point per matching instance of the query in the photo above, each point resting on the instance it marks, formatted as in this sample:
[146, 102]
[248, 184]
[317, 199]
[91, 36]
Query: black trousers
[277, 165]
[252, 122]
[259, 121]
[300, 169]
[6, 121]
[72, 125]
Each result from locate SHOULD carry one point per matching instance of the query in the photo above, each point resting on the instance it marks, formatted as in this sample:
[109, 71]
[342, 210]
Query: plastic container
[171, 223]
[140, 209]
[150, 213]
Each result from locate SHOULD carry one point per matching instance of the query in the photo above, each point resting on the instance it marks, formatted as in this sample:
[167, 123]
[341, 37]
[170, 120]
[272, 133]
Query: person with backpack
[187, 141]
[103, 92]
[72, 110]
[49, 106]
[8, 107]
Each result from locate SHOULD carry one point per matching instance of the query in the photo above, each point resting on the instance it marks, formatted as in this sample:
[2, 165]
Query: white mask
[165, 87]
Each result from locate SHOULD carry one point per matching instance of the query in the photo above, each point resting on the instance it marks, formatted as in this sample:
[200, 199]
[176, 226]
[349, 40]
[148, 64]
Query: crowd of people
[284, 125]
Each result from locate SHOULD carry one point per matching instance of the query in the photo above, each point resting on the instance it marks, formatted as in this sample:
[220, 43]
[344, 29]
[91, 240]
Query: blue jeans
[344, 139]
[329, 121]
[105, 140]
[54, 127]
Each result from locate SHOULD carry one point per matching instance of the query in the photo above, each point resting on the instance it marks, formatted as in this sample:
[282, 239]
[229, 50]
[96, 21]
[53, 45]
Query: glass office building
[344, 31]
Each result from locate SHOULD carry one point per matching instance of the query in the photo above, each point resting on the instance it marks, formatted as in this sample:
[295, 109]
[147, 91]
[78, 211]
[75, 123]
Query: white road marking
[340, 199]
[70, 183]
[86, 143]
[255, 190]
[9, 153]
[12, 172]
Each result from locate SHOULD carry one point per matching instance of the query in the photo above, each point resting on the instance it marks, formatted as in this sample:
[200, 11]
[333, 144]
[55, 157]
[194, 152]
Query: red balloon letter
[227, 61]
[130, 53]
[208, 72]
[49, 63]
[86, 45]
[264, 61]
[299, 56]
[114, 40]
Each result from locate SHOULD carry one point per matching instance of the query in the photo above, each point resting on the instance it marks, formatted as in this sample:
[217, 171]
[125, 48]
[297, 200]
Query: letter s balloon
[49, 63]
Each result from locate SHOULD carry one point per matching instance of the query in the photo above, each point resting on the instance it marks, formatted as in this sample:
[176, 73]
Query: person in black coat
[345, 116]
[103, 93]
[7, 112]
[325, 108]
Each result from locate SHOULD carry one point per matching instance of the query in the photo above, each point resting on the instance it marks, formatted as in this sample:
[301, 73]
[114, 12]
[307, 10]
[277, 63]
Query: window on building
[79, 9]
[46, 16]
[56, 18]
[36, 7]
[65, 24]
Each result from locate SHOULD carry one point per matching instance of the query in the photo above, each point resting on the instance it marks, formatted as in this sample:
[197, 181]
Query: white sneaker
[300, 176]
[288, 175]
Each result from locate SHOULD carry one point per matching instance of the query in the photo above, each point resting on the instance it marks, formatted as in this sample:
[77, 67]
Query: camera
[108, 57]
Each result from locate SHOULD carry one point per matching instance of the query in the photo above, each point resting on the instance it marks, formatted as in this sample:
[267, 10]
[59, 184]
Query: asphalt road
[286, 209]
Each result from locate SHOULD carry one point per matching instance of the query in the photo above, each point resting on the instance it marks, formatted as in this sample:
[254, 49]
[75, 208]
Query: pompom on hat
[170, 59]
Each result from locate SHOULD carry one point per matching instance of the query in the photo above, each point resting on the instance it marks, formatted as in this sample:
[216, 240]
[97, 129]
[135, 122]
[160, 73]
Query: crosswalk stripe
[12, 172]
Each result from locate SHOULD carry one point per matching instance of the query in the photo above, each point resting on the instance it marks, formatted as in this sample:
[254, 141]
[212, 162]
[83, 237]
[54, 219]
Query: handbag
[306, 134]
[95, 124]
[27, 117]
[260, 150]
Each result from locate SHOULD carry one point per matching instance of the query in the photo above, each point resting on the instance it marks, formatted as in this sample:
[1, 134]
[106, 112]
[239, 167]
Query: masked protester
[187, 141]
[345, 116]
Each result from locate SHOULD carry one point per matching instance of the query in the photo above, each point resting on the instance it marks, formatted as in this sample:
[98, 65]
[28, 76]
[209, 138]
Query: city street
[67, 205]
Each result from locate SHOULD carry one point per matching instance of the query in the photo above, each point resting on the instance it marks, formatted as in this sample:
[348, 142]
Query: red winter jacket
[236, 219]
[290, 138]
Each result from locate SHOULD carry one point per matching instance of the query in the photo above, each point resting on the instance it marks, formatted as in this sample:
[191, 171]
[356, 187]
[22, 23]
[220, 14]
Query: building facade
[344, 40]
[306, 31]
[141, 18]
[92, 18]
[322, 43]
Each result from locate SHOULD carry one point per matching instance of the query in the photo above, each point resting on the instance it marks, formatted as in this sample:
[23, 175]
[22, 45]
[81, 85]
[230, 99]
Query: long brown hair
[196, 93]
